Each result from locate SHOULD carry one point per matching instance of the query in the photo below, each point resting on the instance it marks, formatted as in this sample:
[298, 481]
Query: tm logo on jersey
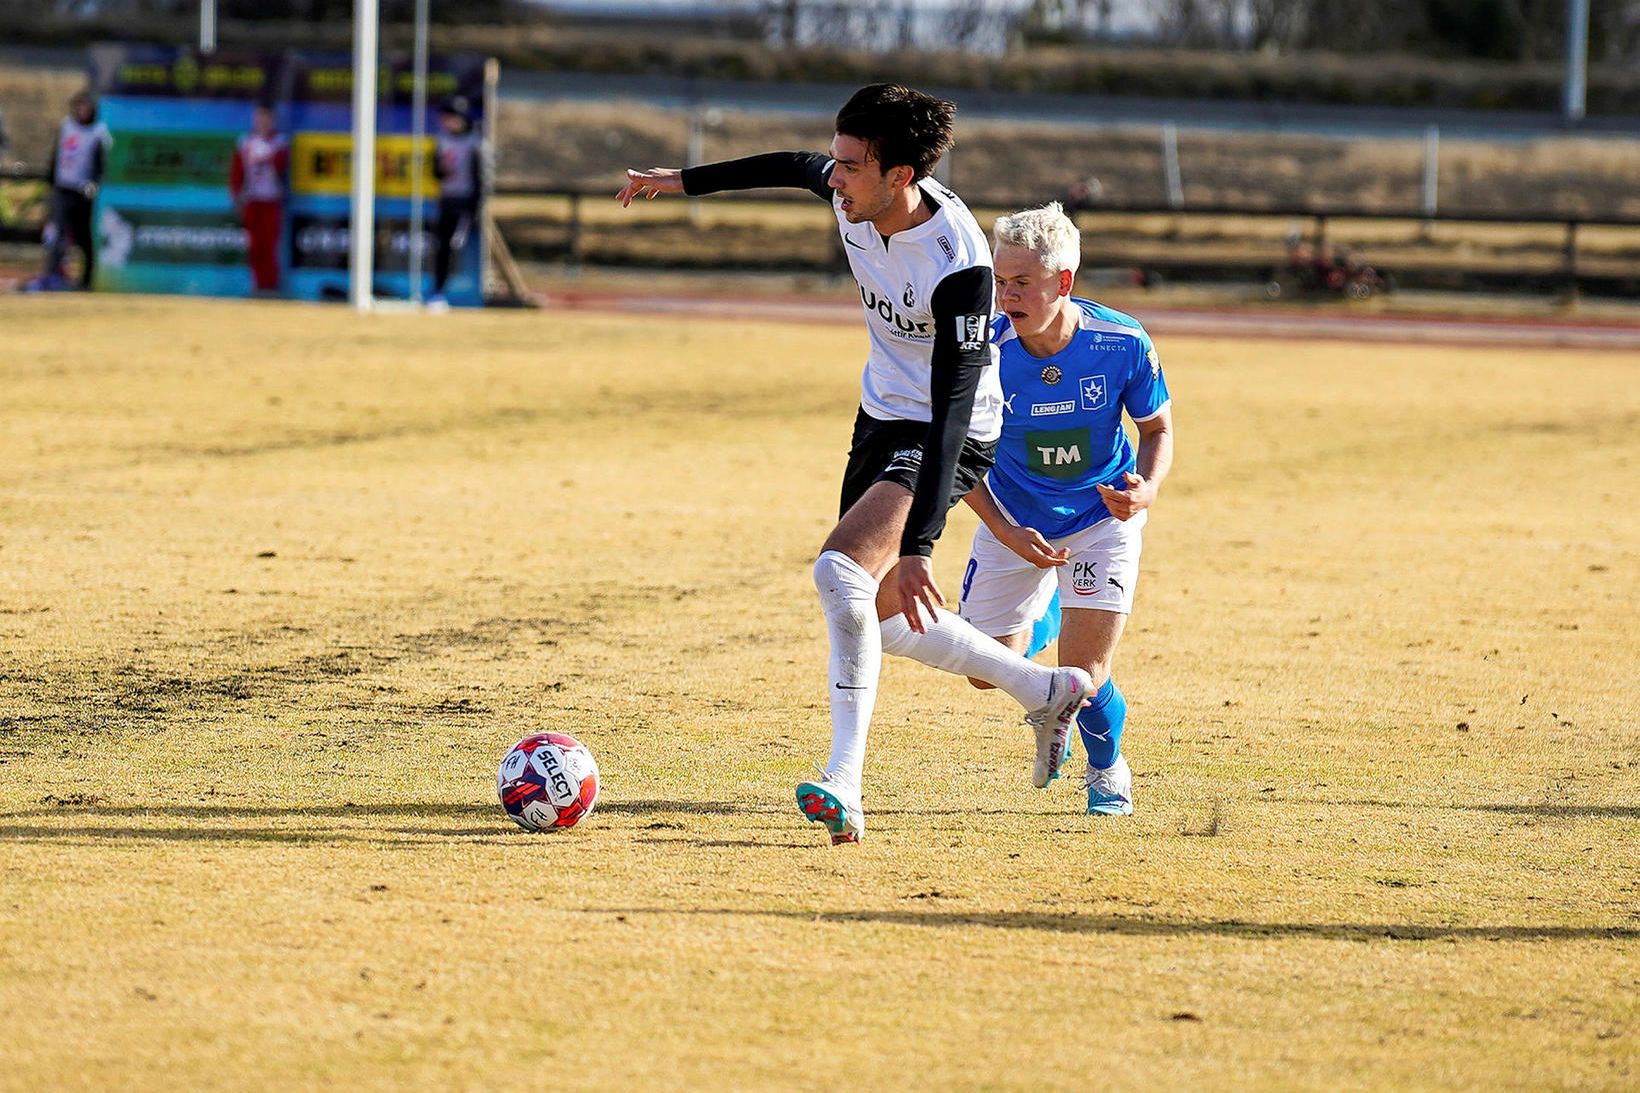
[1058, 453]
[1093, 392]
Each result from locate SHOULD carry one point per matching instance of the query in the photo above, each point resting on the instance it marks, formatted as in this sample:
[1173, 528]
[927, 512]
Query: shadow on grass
[735, 844]
[221, 823]
[643, 808]
[263, 812]
[1169, 927]
[419, 811]
[227, 836]
[1614, 812]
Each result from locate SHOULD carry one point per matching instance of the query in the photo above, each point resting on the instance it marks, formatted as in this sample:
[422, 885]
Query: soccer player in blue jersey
[1064, 506]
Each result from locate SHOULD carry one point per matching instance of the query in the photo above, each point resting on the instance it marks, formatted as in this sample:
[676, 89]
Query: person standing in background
[257, 182]
[77, 164]
[459, 166]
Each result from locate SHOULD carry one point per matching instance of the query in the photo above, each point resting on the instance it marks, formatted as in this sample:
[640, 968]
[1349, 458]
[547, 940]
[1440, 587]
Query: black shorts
[891, 451]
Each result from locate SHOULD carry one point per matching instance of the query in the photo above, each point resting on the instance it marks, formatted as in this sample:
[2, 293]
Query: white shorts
[1004, 594]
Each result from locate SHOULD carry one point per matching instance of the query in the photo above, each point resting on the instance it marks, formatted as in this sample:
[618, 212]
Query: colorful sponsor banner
[322, 163]
[171, 237]
[165, 220]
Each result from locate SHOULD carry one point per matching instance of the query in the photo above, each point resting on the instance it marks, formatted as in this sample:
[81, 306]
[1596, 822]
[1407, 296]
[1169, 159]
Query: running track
[1249, 322]
[1252, 321]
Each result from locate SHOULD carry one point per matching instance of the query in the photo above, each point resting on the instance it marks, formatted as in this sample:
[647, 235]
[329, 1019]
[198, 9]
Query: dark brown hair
[903, 128]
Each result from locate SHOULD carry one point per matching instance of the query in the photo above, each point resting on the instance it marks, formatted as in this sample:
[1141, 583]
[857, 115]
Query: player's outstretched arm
[772, 170]
[1028, 543]
[650, 184]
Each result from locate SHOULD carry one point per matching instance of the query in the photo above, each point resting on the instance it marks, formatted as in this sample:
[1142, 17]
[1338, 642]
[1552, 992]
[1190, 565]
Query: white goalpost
[418, 138]
[362, 230]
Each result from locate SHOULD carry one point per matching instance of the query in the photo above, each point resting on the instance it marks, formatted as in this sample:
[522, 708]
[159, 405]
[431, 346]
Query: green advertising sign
[171, 158]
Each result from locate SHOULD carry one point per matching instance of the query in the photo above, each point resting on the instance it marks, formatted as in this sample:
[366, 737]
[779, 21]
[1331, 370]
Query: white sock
[953, 645]
[848, 594]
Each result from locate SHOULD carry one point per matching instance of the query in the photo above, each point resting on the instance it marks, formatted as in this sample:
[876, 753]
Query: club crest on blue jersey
[1093, 392]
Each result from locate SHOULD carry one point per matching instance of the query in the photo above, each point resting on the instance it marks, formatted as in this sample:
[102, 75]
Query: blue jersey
[1062, 419]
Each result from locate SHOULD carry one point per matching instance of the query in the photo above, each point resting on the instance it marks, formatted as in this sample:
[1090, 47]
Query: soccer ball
[547, 780]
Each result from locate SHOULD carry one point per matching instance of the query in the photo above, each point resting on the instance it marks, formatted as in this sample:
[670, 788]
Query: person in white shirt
[77, 163]
[257, 183]
[459, 167]
[930, 415]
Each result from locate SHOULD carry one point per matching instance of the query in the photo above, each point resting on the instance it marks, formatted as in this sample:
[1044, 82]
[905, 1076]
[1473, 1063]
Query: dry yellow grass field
[279, 584]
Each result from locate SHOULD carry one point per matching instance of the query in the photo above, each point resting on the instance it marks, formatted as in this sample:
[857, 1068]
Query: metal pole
[1432, 170]
[1569, 251]
[1577, 57]
[418, 138]
[486, 174]
[207, 26]
[1170, 165]
[362, 231]
[695, 153]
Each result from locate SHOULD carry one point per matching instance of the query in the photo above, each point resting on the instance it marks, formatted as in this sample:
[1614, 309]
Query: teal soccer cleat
[1110, 792]
[827, 803]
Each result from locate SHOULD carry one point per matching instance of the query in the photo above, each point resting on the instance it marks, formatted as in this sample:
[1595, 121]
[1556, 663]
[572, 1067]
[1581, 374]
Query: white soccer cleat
[830, 803]
[1071, 690]
[1110, 792]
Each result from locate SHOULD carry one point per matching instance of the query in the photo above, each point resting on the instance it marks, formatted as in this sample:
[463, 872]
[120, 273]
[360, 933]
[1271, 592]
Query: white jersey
[897, 281]
[260, 156]
[77, 150]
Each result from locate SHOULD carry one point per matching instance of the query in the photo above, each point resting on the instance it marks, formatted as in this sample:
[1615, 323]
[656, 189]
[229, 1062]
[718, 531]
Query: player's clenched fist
[647, 184]
[1125, 504]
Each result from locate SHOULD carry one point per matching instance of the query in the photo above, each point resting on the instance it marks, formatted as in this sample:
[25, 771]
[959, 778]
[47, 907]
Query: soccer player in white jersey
[930, 414]
[1068, 497]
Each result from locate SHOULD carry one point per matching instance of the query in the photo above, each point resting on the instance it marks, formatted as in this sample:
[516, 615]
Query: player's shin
[848, 595]
[1100, 722]
[953, 645]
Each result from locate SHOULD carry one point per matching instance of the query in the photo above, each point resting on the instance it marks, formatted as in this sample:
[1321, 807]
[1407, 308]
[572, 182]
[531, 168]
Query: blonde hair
[1047, 231]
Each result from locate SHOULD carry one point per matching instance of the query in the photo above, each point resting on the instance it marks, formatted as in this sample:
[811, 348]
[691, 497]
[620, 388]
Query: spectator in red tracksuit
[258, 187]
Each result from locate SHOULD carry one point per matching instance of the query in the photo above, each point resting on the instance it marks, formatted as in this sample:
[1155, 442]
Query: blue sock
[1101, 723]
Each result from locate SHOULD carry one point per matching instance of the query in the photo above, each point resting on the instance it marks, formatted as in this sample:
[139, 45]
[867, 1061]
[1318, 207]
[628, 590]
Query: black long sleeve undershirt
[961, 309]
[795, 170]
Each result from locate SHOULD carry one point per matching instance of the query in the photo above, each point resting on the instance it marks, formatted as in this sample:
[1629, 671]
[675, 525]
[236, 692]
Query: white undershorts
[1004, 594]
